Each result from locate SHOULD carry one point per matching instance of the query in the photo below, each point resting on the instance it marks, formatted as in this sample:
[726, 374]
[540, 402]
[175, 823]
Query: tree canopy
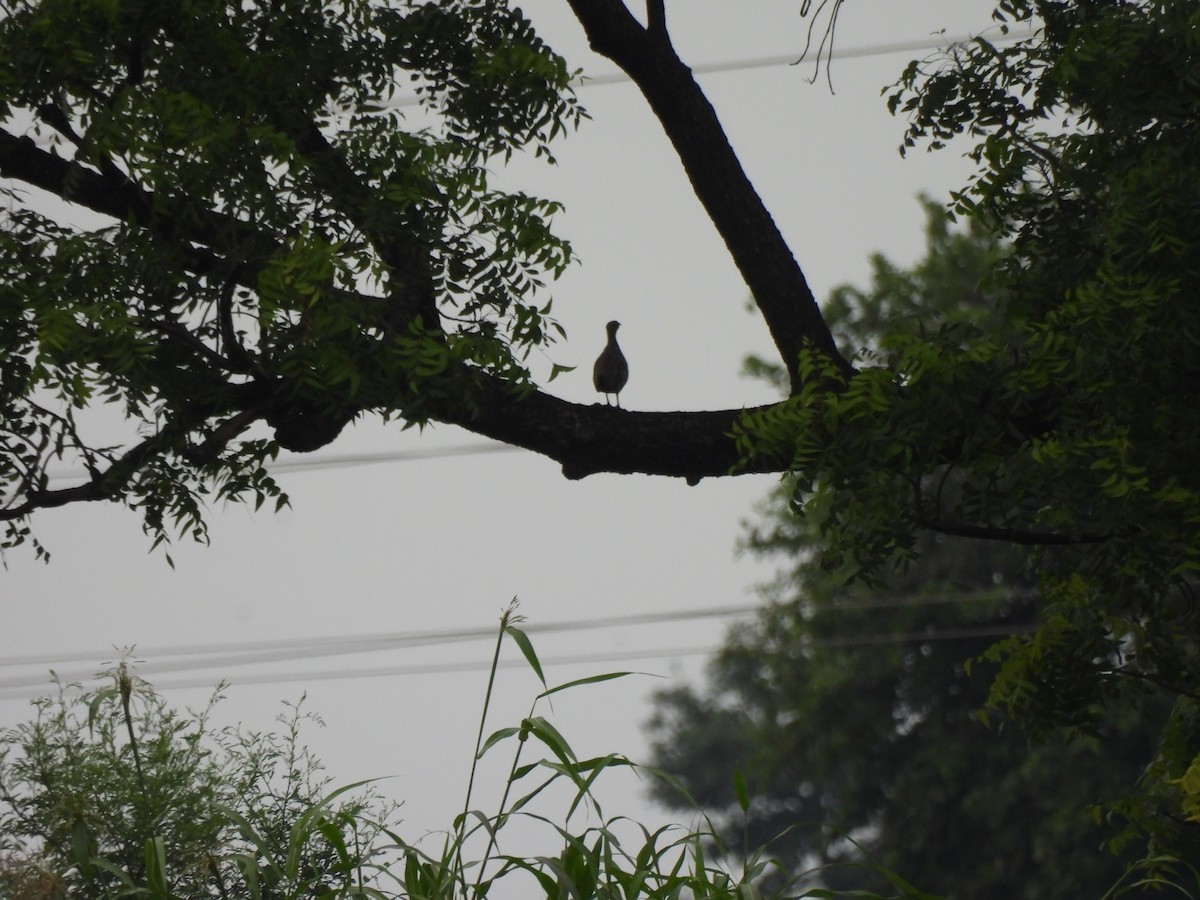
[276, 252]
[852, 711]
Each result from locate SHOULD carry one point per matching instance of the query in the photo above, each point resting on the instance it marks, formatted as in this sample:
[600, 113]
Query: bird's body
[611, 370]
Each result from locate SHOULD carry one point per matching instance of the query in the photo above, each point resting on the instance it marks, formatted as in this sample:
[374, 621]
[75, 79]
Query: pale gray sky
[443, 543]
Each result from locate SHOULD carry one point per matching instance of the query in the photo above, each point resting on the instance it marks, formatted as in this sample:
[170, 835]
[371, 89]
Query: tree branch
[114, 195]
[596, 438]
[656, 18]
[758, 249]
[585, 439]
[103, 485]
[1020, 536]
[396, 240]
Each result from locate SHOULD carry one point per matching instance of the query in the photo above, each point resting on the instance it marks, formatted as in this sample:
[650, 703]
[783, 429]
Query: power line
[263, 651]
[283, 650]
[315, 462]
[748, 63]
[207, 657]
[224, 656]
[345, 460]
[791, 59]
[445, 668]
[382, 671]
[478, 665]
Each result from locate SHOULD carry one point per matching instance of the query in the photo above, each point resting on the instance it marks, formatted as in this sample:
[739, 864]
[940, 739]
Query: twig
[1012, 535]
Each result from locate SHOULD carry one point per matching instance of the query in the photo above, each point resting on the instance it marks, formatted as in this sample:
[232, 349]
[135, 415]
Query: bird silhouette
[611, 370]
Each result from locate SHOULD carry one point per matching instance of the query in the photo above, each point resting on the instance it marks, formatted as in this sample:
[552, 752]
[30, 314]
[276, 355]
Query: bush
[112, 793]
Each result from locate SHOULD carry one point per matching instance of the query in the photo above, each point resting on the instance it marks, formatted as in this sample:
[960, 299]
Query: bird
[611, 370]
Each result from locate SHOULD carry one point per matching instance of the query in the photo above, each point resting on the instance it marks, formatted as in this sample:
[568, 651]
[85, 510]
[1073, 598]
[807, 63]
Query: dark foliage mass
[853, 712]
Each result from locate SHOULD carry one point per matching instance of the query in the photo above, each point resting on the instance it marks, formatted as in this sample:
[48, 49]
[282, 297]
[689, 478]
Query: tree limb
[103, 485]
[414, 297]
[1020, 536]
[656, 18]
[758, 249]
[589, 439]
[585, 439]
[119, 198]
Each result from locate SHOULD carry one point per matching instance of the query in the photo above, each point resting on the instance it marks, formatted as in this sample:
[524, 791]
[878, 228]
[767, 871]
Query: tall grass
[613, 858]
[338, 846]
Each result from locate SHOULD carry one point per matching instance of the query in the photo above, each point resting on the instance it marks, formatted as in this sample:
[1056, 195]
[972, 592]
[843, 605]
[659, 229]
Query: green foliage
[850, 714]
[240, 814]
[1067, 421]
[926, 366]
[112, 793]
[289, 243]
[851, 708]
[612, 858]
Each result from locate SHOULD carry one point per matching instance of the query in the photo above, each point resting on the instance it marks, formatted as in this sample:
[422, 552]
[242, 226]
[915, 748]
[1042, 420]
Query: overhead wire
[778, 60]
[251, 652]
[208, 657]
[263, 650]
[466, 666]
[791, 59]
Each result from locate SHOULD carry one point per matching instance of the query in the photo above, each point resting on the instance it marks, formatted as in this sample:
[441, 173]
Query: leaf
[156, 865]
[739, 788]
[598, 767]
[550, 736]
[579, 682]
[556, 370]
[522, 641]
[495, 738]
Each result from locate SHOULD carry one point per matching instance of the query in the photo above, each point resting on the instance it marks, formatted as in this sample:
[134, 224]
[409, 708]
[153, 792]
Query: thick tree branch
[758, 249]
[1019, 536]
[585, 439]
[119, 198]
[103, 485]
[116, 196]
[589, 439]
[656, 17]
[395, 241]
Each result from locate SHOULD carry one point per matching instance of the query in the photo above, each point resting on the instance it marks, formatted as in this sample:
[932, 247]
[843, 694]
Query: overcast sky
[436, 540]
